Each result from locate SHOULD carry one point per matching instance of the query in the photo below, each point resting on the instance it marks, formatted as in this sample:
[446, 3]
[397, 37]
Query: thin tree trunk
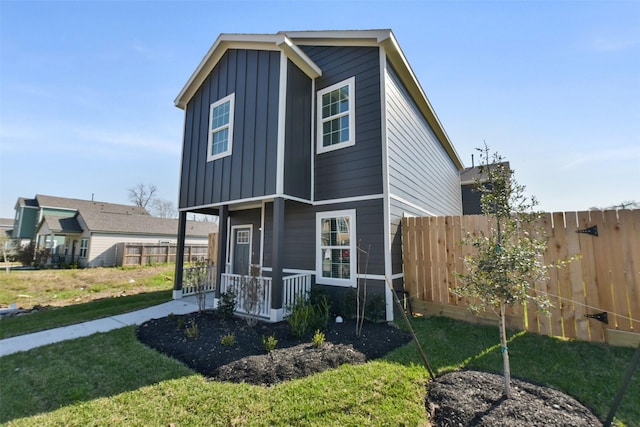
[505, 352]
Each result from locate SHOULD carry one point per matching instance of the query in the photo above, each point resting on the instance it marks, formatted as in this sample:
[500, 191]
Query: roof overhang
[276, 42]
[408, 77]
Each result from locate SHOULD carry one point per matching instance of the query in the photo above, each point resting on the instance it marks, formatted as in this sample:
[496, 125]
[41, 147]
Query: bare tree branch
[141, 195]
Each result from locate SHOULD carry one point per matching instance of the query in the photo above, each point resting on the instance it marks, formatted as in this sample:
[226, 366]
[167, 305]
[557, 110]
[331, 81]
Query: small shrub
[299, 319]
[349, 303]
[180, 323]
[191, 331]
[306, 316]
[269, 343]
[227, 304]
[228, 340]
[318, 338]
[376, 309]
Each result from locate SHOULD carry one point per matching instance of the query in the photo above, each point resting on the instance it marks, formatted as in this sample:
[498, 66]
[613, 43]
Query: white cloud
[130, 139]
[623, 154]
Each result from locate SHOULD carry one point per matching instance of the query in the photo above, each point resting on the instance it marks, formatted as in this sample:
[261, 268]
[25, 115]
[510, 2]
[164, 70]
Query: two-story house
[310, 147]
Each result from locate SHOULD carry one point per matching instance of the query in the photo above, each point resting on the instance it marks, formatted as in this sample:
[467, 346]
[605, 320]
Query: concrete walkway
[50, 336]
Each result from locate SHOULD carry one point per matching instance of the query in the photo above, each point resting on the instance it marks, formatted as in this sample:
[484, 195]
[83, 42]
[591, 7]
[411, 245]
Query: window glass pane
[335, 131]
[220, 141]
[344, 99]
[336, 263]
[220, 115]
[242, 237]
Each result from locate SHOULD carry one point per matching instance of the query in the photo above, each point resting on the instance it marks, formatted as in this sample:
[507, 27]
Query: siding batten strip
[282, 111]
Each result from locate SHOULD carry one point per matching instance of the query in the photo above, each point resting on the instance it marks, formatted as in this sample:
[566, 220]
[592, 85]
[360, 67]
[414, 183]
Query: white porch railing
[193, 277]
[293, 287]
[239, 285]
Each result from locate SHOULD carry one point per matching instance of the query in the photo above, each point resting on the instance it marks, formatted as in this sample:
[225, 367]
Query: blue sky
[87, 88]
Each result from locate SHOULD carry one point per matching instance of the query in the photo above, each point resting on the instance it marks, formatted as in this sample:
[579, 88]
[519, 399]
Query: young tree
[509, 258]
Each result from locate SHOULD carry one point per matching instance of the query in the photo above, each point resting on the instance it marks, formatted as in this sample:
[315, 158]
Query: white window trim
[86, 249]
[229, 98]
[351, 282]
[351, 83]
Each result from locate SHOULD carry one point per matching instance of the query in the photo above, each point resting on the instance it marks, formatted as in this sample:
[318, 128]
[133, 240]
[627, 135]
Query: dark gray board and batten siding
[254, 77]
[297, 155]
[357, 170]
[300, 236]
[412, 144]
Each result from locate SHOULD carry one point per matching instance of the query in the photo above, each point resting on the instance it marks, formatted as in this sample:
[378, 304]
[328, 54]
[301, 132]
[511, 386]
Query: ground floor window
[336, 247]
[84, 247]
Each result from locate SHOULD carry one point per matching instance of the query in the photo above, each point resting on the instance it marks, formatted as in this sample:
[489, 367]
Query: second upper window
[220, 128]
[336, 116]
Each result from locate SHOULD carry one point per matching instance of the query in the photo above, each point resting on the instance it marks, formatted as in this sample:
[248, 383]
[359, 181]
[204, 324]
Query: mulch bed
[247, 360]
[463, 398]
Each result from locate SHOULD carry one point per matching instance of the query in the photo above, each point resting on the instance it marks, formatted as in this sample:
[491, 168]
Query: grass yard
[111, 379]
[30, 288]
[74, 296]
[62, 316]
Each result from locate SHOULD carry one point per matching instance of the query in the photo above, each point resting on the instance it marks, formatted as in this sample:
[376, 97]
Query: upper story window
[336, 112]
[220, 128]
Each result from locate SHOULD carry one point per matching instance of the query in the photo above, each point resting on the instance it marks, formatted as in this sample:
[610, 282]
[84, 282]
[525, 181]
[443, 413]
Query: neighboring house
[310, 147]
[26, 219]
[469, 180]
[89, 232]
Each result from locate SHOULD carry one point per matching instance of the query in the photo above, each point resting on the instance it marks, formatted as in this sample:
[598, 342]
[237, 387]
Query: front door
[241, 251]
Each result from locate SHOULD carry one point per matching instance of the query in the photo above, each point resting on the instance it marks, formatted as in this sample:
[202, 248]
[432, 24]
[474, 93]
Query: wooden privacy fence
[605, 278]
[145, 253]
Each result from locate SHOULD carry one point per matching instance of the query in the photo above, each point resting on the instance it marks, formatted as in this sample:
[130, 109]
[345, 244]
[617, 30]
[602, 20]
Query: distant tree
[627, 204]
[141, 195]
[5, 243]
[163, 208]
[508, 259]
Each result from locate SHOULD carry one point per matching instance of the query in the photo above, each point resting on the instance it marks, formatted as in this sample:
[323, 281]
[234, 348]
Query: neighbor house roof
[110, 218]
[288, 42]
[32, 203]
[87, 205]
[58, 224]
[109, 222]
[473, 174]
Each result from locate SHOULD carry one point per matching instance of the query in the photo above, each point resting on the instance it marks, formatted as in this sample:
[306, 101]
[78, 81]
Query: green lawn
[111, 379]
[69, 315]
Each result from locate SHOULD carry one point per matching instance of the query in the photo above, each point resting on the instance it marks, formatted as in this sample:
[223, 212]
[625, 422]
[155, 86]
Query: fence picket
[605, 277]
[630, 222]
[575, 278]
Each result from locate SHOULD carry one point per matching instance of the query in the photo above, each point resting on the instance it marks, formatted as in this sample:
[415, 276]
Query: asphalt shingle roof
[62, 225]
[112, 218]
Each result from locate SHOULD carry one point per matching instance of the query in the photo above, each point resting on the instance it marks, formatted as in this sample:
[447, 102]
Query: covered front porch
[247, 261]
[253, 294]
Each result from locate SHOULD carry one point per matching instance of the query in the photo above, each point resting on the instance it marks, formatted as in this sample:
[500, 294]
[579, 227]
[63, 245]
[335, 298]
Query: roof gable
[224, 42]
[288, 42]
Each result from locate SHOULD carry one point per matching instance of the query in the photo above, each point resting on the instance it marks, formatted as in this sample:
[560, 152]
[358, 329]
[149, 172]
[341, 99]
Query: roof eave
[408, 77]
